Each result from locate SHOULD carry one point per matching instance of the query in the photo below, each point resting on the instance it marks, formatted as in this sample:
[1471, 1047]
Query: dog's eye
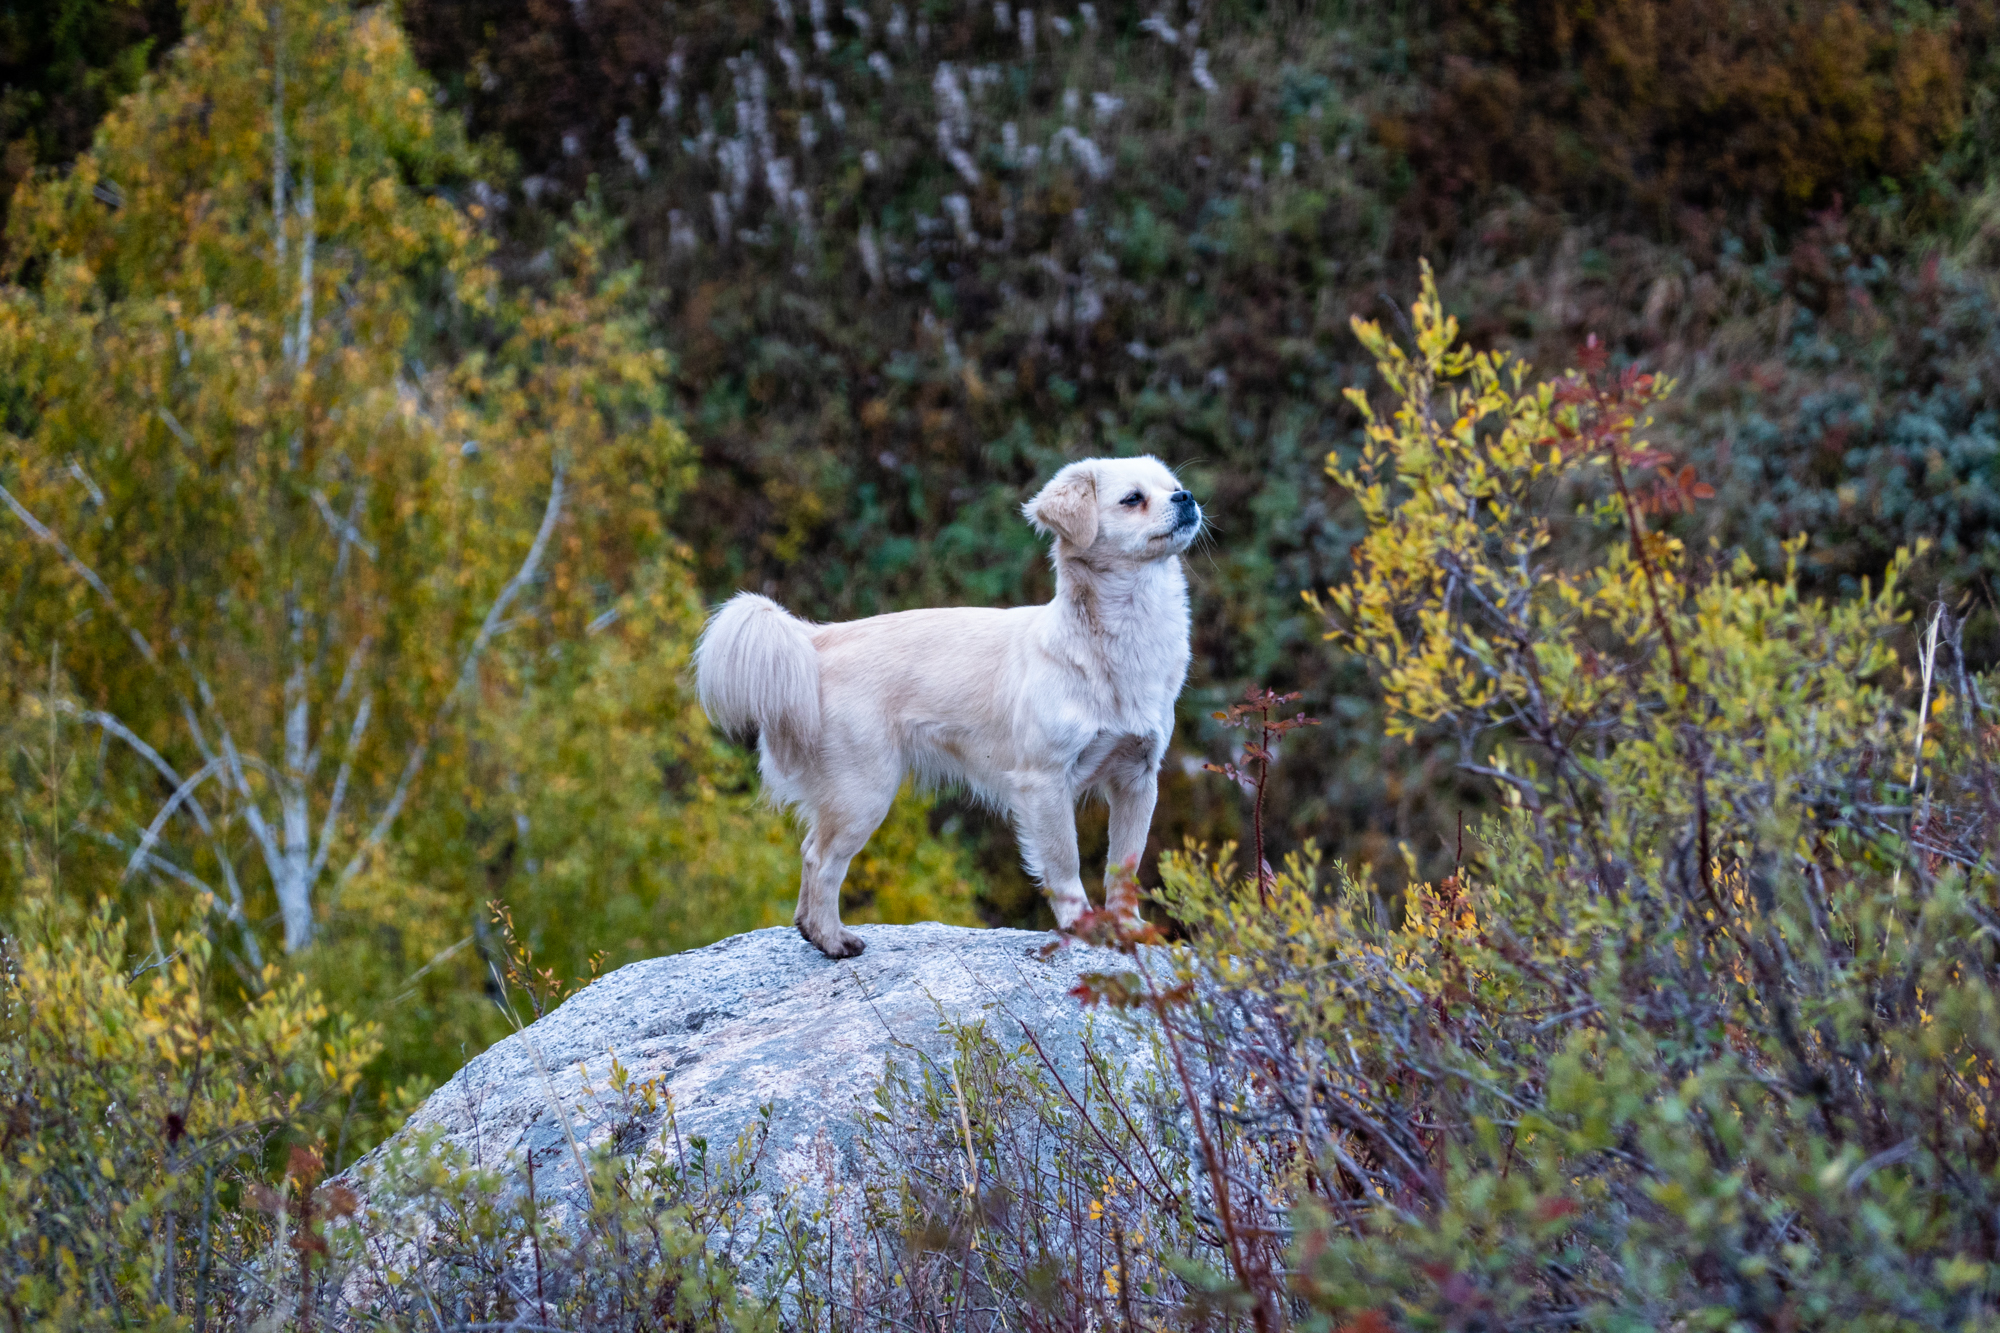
[1135, 498]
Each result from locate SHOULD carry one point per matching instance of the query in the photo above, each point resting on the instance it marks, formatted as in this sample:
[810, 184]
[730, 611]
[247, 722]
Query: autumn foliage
[1650, 109]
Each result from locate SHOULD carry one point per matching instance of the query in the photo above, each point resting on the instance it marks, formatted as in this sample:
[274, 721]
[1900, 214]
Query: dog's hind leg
[1044, 812]
[840, 829]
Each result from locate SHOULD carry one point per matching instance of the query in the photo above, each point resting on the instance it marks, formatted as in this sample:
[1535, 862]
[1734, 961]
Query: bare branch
[1530, 793]
[166, 812]
[233, 908]
[194, 729]
[85, 572]
[233, 762]
[347, 678]
[113, 727]
[75, 469]
[111, 724]
[343, 528]
[180, 432]
[253, 814]
[106, 720]
[396, 798]
[302, 349]
[353, 669]
[154, 861]
[522, 578]
[279, 166]
[339, 788]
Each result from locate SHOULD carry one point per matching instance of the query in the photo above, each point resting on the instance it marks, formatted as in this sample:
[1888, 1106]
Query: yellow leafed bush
[141, 1108]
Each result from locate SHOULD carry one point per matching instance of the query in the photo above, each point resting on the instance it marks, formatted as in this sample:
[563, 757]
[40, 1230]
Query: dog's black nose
[1182, 500]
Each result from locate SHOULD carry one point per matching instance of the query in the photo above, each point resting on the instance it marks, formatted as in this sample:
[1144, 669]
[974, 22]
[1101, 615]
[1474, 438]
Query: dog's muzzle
[1187, 514]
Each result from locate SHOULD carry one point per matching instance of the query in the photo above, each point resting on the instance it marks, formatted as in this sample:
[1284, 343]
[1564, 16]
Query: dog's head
[1129, 509]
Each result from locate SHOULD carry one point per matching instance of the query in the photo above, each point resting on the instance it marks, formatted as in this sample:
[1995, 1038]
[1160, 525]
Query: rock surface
[757, 1018]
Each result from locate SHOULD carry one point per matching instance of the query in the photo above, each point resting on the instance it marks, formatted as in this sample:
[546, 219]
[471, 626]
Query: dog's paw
[1067, 910]
[841, 943]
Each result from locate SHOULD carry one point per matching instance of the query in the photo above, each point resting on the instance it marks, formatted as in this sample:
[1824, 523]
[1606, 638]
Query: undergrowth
[1699, 1032]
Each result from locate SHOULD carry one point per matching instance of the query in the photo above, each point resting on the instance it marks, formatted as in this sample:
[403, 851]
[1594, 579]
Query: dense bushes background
[1163, 250]
[1695, 1034]
[1648, 110]
[1162, 253]
[62, 66]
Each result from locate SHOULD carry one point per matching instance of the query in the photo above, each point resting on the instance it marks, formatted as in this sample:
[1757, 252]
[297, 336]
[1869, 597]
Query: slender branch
[348, 676]
[85, 572]
[233, 760]
[253, 814]
[522, 578]
[1529, 792]
[1927, 655]
[233, 912]
[1263, 1311]
[344, 529]
[339, 788]
[180, 432]
[279, 167]
[155, 861]
[302, 349]
[1697, 748]
[1636, 532]
[166, 812]
[112, 726]
[1168, 1199]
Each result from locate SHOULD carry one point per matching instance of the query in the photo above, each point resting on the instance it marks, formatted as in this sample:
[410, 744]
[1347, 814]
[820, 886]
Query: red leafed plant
[1260, 712]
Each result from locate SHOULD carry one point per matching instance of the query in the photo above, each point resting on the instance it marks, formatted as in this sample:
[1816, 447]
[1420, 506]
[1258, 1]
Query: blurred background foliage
[804, 297]
[908, 258]
[63, 65]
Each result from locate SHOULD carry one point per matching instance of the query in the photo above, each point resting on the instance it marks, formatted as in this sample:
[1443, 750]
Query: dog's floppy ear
[1067, 506]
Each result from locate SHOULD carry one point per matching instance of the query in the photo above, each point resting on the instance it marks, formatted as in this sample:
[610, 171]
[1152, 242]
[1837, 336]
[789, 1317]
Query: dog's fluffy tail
[755, 666]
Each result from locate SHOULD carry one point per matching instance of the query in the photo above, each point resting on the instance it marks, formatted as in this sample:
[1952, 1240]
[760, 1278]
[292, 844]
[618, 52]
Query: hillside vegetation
[909, 257]
[1598, 407]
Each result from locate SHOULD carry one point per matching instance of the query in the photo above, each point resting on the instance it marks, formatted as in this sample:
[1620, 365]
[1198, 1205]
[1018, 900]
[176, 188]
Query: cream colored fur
[1029, 708]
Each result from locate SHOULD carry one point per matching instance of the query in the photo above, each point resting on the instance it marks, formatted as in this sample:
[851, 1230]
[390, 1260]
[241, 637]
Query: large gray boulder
[761, 1018]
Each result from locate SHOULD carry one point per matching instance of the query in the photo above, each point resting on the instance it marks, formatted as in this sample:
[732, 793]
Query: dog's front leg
[1045, 822]
[1132, 791]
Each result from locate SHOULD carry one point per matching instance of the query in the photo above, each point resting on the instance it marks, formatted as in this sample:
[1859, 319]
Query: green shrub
[164, 1164]
[1704, 1030]
[1700, 1031]
[141, 1116]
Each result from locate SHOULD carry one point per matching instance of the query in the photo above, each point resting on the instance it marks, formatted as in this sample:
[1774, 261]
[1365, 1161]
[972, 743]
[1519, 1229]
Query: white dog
[1028, 708]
